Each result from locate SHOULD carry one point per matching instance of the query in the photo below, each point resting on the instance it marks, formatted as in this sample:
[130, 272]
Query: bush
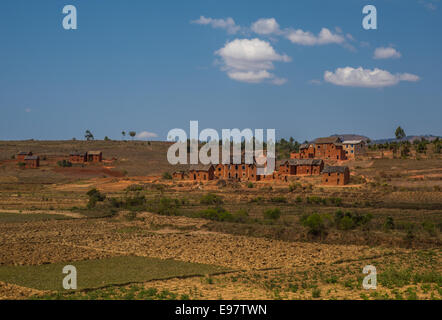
[348, 220]
[429, 227]
[278, 199]
[167, 176]
[217, 214]
[272, 214]
[294, 186]
[315, 223]
[389, 223]
[335, 200]
[94, 197]
[250, 185]
[165, 206]
[211, 199]
[64, 163]
[241, 216]
[257, 199]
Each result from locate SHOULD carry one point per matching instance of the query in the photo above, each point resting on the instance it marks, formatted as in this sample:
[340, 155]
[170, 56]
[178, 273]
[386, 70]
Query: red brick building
[32, 162]
[94, 156]
[77, 157]
[329, 148]
[336, 175]
[180, 175]
[22, 155]
[201, 172]
[301, 167]
[306, 151]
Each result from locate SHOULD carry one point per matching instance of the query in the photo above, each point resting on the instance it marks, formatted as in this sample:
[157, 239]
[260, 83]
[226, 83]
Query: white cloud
[249, 60]
[266, 26]
[228, 24]
[386, 53]
[359, 77]
[146, 135]
[307, 38]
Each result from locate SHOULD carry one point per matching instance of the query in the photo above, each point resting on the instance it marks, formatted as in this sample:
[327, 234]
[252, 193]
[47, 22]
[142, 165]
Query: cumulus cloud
[249, 60]
[266, 26]
[307, 38]
[359, 77]
[386, 53]
[228, 24]
[146, 135]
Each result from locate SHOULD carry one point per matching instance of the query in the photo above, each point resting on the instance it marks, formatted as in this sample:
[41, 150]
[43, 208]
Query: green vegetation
[103, 272]
[211, 199]
[167, 176]
[272, 214]
[6, 217]
[64, 163]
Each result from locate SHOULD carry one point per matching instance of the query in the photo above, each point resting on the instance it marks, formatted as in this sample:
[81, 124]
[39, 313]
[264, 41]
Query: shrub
[348, 220]
[257, 199]
[429, 227]
[389, 223]
[250, 185]
[64, 163]
[217, 214]
[278, 199]
[315, 223]
[294, 186]
[272, 214]
[164, 206]
[167, 176]
[135, 187]
[94, 197]
[335, 200]
[241, 216]
[211, 199]
[298, 199]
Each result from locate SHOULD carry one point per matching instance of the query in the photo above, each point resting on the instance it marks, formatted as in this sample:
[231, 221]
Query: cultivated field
[141, 236]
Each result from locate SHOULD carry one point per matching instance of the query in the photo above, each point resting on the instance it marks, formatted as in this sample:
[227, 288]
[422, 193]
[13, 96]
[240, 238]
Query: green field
[103, 272]
[6, 217]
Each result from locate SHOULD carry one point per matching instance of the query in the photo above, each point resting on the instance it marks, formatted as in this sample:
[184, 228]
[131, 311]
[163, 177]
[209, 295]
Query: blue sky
[155, 65]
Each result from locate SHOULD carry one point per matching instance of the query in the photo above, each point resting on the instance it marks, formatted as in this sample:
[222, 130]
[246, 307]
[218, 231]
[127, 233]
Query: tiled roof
[333, 169]
[328, 140]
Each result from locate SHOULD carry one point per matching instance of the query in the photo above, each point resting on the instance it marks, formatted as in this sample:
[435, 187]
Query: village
[324, 157]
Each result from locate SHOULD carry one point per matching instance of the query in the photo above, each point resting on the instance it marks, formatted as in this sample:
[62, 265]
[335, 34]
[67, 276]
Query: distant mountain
[344, 137]
[411, 139]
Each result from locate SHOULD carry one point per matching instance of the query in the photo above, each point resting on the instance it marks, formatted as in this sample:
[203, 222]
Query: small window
[243, 167]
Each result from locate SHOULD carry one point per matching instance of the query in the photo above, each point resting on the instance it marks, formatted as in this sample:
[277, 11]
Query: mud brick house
[301, 167]
[329, 148]
[22, 155]
[201, 172]
[94, 156]
[354, 148]
[32, 162]
[306, 151]
[77, 157]
[180, 175]
[335, 175]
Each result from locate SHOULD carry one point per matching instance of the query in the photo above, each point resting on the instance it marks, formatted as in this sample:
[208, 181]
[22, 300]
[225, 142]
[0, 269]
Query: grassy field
[7, 217]
[103, 272]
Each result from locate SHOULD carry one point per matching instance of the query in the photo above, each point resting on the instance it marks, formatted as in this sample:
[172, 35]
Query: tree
[123, 133]
[132, 134]
[88, 135]
[400, 133]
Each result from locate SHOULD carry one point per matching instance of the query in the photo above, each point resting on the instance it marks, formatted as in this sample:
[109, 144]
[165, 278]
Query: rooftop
[333, 169]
